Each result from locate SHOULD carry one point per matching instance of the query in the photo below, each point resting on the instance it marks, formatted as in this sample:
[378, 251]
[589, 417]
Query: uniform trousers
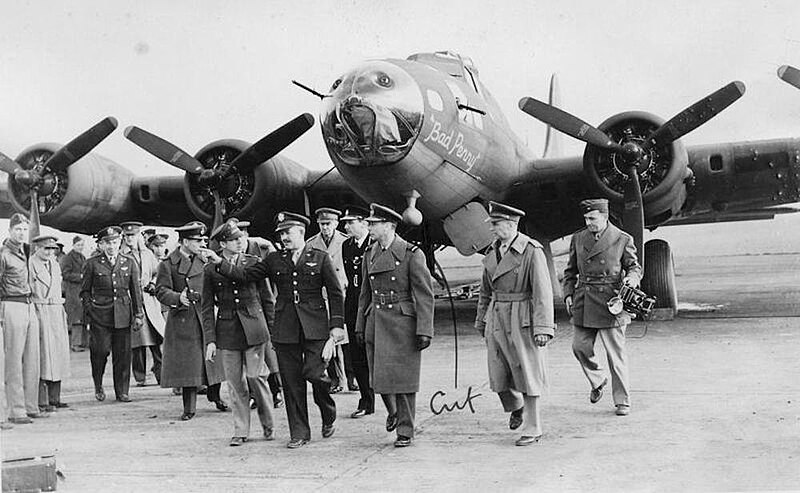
[77, 335]
[613, 339]
[243, 372]
[49, 393]
[139, 363]
[360, 368]
[103, 340]
[299, 363]
[404, 405]
[22, 366]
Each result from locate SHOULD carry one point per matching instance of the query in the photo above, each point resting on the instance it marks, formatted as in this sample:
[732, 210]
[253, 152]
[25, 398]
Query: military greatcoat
[394, 307]
[71, 269]
[594, 274]
[516, 304]
[184, 345]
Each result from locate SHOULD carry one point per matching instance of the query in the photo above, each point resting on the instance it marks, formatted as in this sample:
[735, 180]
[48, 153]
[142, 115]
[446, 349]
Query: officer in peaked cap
[353, 251]
[601, 258]
[395, 319]
[304, 322]
[330, 239]
[179, 285]
[515, 314]
[112, 301]
[157, 243]
[131, 227]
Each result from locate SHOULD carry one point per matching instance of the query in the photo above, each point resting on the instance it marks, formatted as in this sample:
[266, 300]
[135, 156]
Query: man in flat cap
[112, 304]
[353, 251]
[303, 320]
[515, 315]
[51, 321]
[601, 259]
[330, 239]
[19, 328]
[395, 319]
[157, 243]
[179, 285]
[151, 335]
[72, 273]
[236, 317]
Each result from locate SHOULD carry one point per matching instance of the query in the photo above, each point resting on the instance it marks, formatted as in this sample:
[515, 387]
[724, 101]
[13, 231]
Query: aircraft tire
[659, 279]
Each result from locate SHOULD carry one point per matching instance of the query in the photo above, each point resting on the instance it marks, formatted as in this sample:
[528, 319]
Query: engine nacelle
[92, 193]
[662, 173]
[257, 195]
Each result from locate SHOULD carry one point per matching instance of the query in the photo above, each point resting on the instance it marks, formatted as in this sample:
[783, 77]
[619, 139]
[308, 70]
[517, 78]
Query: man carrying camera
[601, 258]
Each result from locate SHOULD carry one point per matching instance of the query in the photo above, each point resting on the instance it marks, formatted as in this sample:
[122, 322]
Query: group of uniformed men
[247, 313]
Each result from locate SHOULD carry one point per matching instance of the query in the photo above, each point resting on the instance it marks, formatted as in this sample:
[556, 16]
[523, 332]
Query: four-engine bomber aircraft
[424, 135]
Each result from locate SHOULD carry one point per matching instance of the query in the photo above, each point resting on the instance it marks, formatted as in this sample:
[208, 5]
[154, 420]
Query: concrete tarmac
[715, 394]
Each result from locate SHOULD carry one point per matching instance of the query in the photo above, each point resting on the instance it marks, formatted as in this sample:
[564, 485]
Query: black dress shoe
[525, 440]
[99, 395]
[596, 394]
[360, 413]
[221, 406]
[402, 441]
[61, 405]
[123, 398]
[515, 420]
[327, 430]
[237, 441]
[296, 443]
[391, 422]
[187, 416]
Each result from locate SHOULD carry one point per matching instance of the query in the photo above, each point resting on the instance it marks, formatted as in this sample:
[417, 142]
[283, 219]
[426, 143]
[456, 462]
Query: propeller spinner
[635, 154]
[40, 179]
[215, 177]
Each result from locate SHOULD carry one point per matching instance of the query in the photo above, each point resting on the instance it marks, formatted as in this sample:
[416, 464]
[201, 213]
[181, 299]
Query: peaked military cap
[243, 225]
[131, 227]
[18, 218]
[157, 239]
[502, 211]
[147, 233]
[108, 233]
[194, 230]
[76, 239]
[227, 231]
[590, 205]
[45, 241]
[355, 214]
[288, 219]
[327, 214]
[380, 213]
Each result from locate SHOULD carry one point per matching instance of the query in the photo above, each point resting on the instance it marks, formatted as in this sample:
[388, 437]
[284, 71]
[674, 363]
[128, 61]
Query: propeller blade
[633, 214]
[790, 75]
[697, 114]
[35, 225]
[8, 165]
[81, 145]
[272, 144]
[163, 150]
[566, 123]
[219, 211]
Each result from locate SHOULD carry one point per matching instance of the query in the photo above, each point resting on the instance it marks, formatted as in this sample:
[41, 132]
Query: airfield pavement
[716, 407]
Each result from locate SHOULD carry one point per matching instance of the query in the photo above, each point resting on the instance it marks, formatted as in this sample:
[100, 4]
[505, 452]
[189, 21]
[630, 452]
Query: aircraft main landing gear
[659, 279]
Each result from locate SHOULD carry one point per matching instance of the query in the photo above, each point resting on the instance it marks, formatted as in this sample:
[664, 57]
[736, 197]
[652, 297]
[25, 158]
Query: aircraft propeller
[790, 75]
[634, 153]
[261, 151]
[40, 179]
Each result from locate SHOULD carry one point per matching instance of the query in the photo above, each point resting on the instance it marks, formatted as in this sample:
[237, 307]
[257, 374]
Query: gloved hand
[423, 342]
[337, 334]
[568, 301]
[360, 339]
[150, 288]
[541, 340]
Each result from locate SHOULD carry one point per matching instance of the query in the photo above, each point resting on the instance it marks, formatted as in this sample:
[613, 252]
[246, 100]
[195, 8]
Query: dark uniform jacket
[299, 305]
[14, 277]
[71, 272]
[245, 309]
[594, 274]
[352, 258]
[395, 306]
[111, 294]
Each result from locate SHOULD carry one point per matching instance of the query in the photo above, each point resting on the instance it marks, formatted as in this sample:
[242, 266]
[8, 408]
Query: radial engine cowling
[662, 172]
[91, 193]
[255, 195]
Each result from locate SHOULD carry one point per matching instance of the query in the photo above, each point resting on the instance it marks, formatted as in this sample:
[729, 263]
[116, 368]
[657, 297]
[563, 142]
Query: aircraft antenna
[312, 91]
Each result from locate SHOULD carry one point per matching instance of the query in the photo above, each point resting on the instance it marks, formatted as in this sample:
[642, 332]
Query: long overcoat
[71, 269]
[594, 274]
[334, 249]
[51, 318]
[148, 273]
[184, 345]
[515, 304]
[394, 307]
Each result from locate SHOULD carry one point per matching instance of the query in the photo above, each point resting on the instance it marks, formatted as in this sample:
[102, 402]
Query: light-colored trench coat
[154, 320]
[51, 317]
[515, 304]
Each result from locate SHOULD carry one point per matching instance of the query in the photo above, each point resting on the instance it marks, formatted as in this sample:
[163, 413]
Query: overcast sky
[197, 71]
